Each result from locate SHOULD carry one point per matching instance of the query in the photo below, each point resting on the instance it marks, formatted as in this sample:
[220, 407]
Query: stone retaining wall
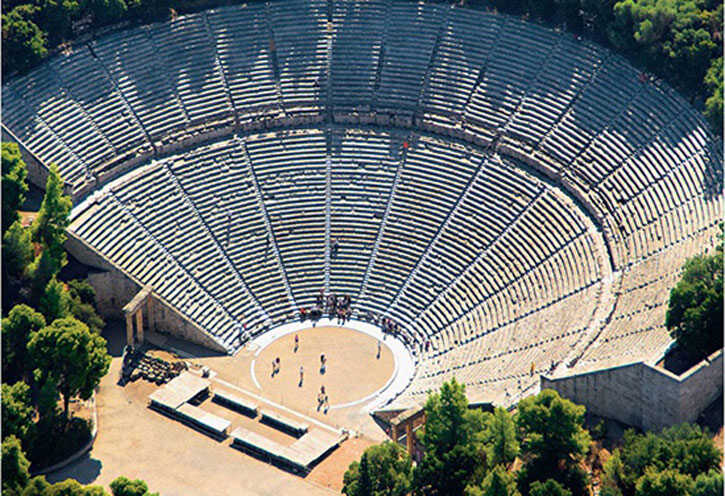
[643, 395]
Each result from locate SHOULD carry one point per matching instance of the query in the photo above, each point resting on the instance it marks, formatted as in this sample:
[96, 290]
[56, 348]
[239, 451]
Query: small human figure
[323, 363]
[274, 368]
[277, 362]
[378, 356]
[334, 248]
[321, 396]
[302, 375]
[297, 342]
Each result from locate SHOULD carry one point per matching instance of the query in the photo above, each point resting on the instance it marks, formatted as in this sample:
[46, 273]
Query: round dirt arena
[354, 370]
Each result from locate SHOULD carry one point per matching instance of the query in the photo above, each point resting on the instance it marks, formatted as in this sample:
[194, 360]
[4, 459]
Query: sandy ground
[174, 459]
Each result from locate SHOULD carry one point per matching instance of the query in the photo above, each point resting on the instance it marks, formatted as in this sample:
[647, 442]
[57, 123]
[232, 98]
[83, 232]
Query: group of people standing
[332, 305]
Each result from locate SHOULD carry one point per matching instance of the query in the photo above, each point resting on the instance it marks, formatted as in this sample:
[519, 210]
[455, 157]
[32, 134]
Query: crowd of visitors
[331, 305]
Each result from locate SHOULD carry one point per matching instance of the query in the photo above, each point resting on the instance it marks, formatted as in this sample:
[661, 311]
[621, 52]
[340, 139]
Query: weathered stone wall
[642, 395]
[114, 289]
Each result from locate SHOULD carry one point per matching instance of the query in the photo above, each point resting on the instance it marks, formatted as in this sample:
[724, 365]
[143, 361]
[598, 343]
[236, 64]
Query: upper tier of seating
[516, 198]
[475, 74]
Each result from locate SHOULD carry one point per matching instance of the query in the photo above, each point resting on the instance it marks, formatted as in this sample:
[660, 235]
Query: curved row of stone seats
[301, 50]
[491, 203]
[364, 167]
[44, 98]
[47, 98]
[39, 137]
[89, 85]
[636, 328]
[432, 176]
[156, 201]
[601, 101]
[409, 42]
[187, 52]
[108, 227]
[356, 53]
[464, 46]
[516, 59]
[547, 246]
[242, 37]
[559, 83]
[496, 366]
[133, 64]
[219, 181]
[291, 170]
[546, 92]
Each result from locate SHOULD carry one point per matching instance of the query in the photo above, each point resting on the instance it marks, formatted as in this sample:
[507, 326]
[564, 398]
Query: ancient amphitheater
[518, 198]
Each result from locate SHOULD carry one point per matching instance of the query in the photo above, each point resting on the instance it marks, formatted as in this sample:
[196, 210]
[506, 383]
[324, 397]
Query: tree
[55, 302]
[709, 484]
[695, 312]
[70, 355]
[685, 449]
[71, 487]
[548, 488]
[554, 441]
[552, 427]
[17, 327]
[122, 486]
[50, 224]
[23, 41]
[14, 183]
[17, 411]
[383, 470]
[37, 486]
[498, 482]
[15, 467]
[454, 455]
[713, 104]
[17, 251]
[500, 437]
[664, 483]
[82, 304]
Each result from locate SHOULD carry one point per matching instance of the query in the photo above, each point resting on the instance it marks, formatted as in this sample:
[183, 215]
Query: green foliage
[554, 441]
[669, 36]
[664, 483]
[50, 224]
[695, 312]
[548, 488]
[106, 11]
[15, 467]
[55, 301]
[384, 470]
[82, 304]
[499, 436]
[713, 104]
[122, 486]
[552, 427]
[708, 484]
[684, 449]
[71, 487]
[17, 411]
[24, 43]
[17, 328]
[454, 455]
[14, 179]
[69, 354]
[498, 482]
[37, 486]
[17, 251]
